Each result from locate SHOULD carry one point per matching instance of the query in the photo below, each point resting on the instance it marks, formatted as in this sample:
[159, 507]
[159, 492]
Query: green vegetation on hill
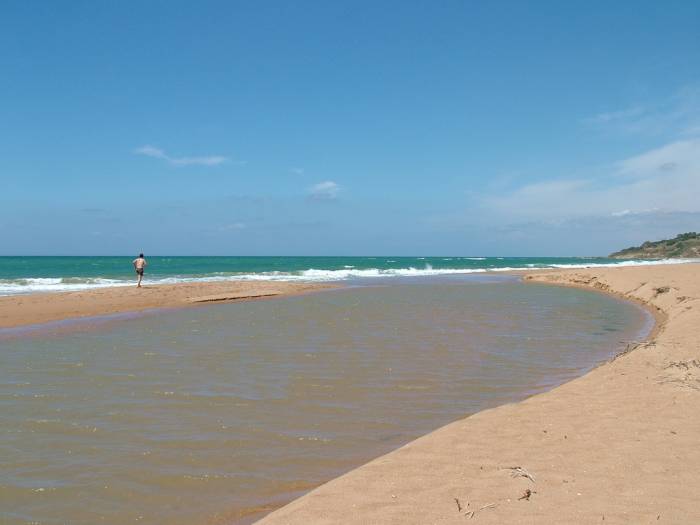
[685, 245]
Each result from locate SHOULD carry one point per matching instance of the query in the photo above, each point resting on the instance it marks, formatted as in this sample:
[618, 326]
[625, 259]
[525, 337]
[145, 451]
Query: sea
[21, 275]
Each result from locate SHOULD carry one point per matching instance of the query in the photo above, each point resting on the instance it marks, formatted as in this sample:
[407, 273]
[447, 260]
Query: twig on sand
[685, 365]
[516, 472]
[526, 495]
[470, 514]
[459, 507]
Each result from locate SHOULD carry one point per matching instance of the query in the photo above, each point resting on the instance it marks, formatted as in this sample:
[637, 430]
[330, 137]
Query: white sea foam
[43, 284]
[626, 263]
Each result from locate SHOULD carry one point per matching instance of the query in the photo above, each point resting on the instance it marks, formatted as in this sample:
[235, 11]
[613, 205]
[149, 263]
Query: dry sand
[19, 310]
[618, 445]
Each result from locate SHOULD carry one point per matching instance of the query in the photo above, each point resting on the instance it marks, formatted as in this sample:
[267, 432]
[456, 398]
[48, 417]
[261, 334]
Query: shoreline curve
[36, 309]
[618, 444]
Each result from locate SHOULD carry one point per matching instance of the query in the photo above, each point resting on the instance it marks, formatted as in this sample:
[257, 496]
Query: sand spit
[618, 445]
[20, 310]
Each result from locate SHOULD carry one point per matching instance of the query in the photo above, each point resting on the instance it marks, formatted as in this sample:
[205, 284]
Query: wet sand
[22, 310]
[618, 445]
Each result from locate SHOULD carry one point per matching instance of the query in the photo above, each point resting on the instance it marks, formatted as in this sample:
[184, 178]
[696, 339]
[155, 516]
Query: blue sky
[348, 128]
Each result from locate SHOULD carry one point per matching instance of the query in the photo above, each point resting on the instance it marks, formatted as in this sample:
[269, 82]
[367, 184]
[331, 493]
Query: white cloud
[150, 151]
[680, 155]
[203, 161]
[676, 115]
[639, 213]
[652, 195]
[662, 180]
[602, 118]
[236, 226]
[327, 190]
[691, 130]
[156, 153]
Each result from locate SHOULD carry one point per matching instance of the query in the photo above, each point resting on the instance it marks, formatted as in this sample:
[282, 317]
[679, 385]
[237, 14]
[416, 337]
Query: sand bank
[619, 445]
[20, 310]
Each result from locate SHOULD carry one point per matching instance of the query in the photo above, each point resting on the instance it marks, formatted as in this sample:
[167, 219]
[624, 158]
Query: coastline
[618, 444]
[31, 309]
[619, 422]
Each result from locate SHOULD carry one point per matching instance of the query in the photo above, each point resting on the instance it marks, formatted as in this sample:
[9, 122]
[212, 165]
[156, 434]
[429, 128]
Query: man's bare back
[139, 265]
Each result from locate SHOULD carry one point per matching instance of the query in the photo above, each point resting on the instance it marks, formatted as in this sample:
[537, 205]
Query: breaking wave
[348, 272]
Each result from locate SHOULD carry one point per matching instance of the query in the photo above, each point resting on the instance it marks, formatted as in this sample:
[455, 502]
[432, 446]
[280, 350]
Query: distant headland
[685, 245]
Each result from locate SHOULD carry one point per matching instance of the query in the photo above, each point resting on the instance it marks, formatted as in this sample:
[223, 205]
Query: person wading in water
[139, 264]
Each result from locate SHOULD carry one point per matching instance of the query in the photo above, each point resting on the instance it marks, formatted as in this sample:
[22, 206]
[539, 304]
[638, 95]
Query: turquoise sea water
[41, 274]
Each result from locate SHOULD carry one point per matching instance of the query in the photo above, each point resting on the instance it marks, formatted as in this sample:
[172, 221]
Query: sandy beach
[618, 445]
[21, 310]
[226, 412]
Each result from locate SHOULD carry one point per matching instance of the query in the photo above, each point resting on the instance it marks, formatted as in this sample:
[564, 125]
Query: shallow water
[213, 414]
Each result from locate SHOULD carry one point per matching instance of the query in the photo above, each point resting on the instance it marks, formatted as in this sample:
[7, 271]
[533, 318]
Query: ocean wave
[68, 284]
[338, 275]
[635, 262]
[54, 284]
